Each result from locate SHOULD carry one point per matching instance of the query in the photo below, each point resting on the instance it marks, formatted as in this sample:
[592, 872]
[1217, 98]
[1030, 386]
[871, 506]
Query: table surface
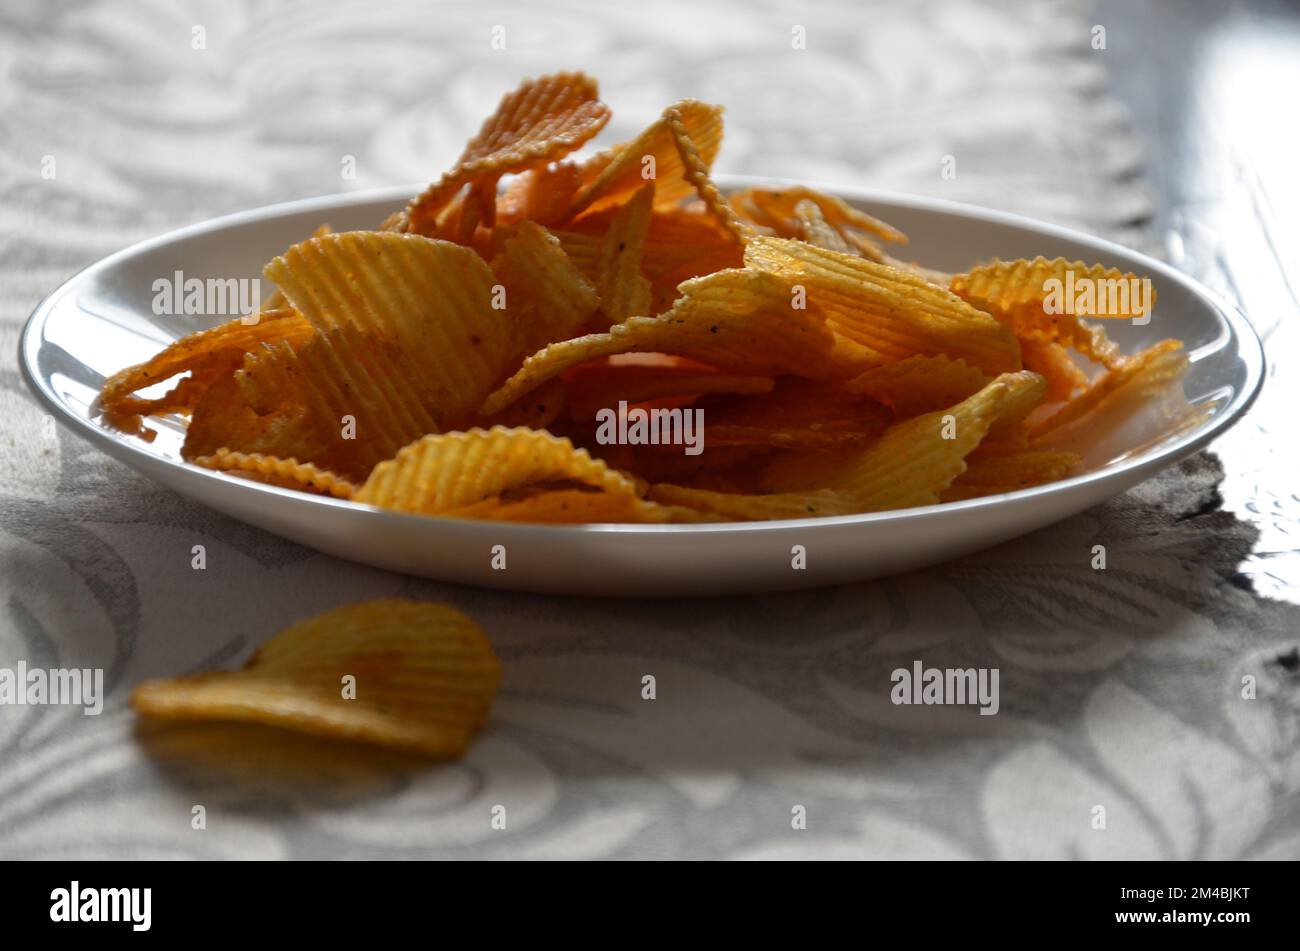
[1120, 689]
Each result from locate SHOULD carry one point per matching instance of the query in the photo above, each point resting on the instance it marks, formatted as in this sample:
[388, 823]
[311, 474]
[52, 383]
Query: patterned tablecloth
[1119, 688]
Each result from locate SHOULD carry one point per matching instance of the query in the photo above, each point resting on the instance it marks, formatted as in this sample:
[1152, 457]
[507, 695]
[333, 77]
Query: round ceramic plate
[102, 320]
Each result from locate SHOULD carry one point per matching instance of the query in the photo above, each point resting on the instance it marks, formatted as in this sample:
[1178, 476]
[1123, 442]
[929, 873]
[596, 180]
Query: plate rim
[1241, 331]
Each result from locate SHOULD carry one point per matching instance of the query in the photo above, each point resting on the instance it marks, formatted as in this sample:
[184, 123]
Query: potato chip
[695, 169]
[1088, 339]
[731, 480]
[344, 402]
[597, 386]
[668, 463]
[919, 384]
[822, 220]
[546, 296]
[541, 121]
[127, 412]
[286, 473]
[432, 299]
[441, 473]
[784, 436]
[734, 320]
[687, 230]
[915, 460]
[276, 300]
[624, 290]
[1019, 294]
[654, 155]
[1154, 368]
[540, 195]
[674, 235]
[569, 506]
[797, 413]
[403, 674]
[1056, 287]
[816, 230]
[680, 244]
[891, 313]
[225, 418]
[1052, 361]
[776, 208]
[583, 250]
[934, 276]
[666, 284]
[223, 345]
[367, 396]
[542, 407]
[683, 245]
[473, 205]
[812, 504]
[995, 473]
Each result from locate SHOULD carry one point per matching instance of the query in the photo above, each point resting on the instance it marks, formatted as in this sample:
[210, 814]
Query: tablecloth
[772, 733]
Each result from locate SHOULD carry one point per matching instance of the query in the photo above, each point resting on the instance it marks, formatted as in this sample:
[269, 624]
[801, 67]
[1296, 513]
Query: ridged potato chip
[695, 169]
[1088, 339]
[1014, 303]
[595, 386]
[1153, 369]
[733, 320]
[583, 248]
[796, 414]
[893, 314]
[432, 299]
[816, 230]
[287, 473]
[716, 467]
[1052, 361]
[1017, 292]
[666, 280]
[542, 407]
[994, 472]
[934, 276]
[777, 210]
[1008, 286]
[653, 155]
[127, 413]
[265, 420]
[402, 674]
[441, 473]
[541, 121]
[812, 504]
[546, 296]
[624, 290]
[570, 506]
[915, 460]
[540, 195]
[344, 402]
[919, 384]
[206, 355]
[680, 244]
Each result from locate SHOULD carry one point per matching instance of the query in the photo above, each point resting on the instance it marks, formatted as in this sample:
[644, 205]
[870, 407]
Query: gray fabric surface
[1120, 688]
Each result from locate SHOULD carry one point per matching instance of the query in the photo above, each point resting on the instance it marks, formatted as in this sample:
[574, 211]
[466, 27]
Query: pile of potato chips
[455, 361]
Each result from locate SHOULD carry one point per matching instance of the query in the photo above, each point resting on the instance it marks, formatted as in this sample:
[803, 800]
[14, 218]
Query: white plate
[102, 320]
